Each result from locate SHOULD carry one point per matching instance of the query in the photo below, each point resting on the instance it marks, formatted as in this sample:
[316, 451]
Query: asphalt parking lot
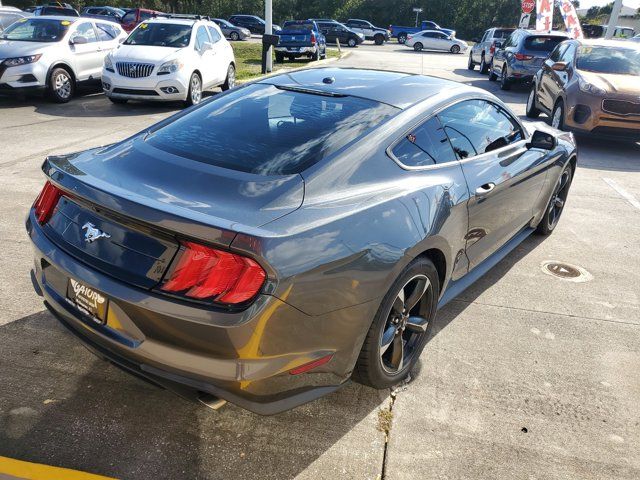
[527, 375]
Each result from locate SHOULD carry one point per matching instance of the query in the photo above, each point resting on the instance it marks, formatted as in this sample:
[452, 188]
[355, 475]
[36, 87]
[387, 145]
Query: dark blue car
[301, 38]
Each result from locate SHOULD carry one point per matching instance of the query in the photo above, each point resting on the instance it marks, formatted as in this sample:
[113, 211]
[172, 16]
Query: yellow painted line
[18, 469]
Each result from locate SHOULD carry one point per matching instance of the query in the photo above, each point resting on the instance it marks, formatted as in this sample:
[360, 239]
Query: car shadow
[455, 307]
[481, 80]
[63, 406]
[87, 103]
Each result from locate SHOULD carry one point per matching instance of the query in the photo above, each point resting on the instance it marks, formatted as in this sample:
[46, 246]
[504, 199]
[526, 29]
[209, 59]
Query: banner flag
[544, 15]
[570, 18]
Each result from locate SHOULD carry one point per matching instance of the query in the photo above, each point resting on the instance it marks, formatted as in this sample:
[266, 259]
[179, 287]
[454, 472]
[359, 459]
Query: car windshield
[502, 33]
[223, 23]
[543, 43]
[160, 35]
[37, 30]
[614, 60]
[268, 130]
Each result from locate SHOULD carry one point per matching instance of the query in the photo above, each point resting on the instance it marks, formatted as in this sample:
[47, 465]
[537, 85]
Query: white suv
[169, 58]
[55, 53]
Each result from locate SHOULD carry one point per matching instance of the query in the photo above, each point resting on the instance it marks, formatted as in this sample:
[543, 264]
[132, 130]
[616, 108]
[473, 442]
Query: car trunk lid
[146, 200]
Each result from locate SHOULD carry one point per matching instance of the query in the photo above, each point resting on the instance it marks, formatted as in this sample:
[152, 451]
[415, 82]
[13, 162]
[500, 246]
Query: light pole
[268, 29]
[613, 18]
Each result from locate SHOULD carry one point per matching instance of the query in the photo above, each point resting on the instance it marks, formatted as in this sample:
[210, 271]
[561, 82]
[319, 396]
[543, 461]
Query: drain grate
[566, 271]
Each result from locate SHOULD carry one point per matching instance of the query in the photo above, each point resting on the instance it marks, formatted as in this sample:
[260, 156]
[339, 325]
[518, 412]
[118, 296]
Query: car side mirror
[498, 44]
[560, 66]
[122, 40]
[542, 140]
[78, 40]
[206, 46]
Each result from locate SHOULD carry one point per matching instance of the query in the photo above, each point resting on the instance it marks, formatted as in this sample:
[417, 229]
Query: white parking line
[622, 192]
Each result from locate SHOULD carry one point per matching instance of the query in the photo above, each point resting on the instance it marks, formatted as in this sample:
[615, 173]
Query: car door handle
[486, 188]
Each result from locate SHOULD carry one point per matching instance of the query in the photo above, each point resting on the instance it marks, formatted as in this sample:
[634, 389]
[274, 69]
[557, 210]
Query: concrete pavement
[526, 376]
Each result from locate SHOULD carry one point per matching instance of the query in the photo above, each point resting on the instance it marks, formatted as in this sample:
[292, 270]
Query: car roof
[552, 33]
[177, 21]
[59, 17]
[398, 89]
[601, 42]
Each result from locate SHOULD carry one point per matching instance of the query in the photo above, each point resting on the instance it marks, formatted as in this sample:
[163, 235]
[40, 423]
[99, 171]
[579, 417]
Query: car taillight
[522, 56]
[313, 38]
[46, 202]
[206, 273]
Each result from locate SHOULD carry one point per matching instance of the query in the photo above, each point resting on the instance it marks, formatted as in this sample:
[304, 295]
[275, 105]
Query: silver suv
[482, 52]
[55, 53]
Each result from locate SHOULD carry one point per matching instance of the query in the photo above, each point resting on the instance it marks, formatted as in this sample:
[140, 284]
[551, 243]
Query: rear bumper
[297, 51]
[242, 357]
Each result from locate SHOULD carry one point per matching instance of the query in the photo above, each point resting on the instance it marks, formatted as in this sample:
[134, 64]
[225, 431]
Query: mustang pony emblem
[92, 234]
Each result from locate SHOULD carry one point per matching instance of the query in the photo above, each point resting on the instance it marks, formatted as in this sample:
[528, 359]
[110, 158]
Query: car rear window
[267, 130]
[298, 27]
[502, 33]
[542, 43]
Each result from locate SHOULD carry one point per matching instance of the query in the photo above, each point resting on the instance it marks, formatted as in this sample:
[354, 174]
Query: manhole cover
[566, 271]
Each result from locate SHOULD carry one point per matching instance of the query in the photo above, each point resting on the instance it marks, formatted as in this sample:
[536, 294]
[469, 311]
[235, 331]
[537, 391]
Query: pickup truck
[401, 33]
[300, 38]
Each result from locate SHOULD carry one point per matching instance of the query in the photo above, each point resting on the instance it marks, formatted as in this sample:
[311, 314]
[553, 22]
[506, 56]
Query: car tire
[470, 64]
[118, 101]
[402, 38]
[555, 207]
[531, 109]
[505, 84]
[194, 94]
[316, 55]
[484, 68]
[417, 47]
[234, 36]
[455, 49]
[352, 42]
[557, 115]
[61, 85]
[492, 75]
[378, 39]
[230, 81]
[381, 366]
[324, 54]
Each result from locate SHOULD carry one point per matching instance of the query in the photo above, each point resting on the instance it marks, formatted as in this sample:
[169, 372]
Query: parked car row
[586, 86]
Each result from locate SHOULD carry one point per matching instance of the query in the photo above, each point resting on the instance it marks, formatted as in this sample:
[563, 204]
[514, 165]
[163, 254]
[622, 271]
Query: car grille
[621, 107]
[130, 91]
[134, 70]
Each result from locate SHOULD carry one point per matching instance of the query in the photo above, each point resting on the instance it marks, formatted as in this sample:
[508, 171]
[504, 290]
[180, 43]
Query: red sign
[528, 6]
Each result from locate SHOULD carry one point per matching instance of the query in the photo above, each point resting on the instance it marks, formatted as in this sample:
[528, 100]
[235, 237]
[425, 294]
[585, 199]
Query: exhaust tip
[211, 401]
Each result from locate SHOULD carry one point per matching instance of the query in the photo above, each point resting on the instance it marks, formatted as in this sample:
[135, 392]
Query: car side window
[428, 34]
[425, 145]
[106, 32]
[557, 52]
[485, 36]
[201, 37]
[86, 30]
[213, 33]
[441, 35]
[569, 54]
[129, 17]
[475, 127]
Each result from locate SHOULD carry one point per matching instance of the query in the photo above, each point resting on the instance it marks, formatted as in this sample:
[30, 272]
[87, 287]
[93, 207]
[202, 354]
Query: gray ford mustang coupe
[288, 235]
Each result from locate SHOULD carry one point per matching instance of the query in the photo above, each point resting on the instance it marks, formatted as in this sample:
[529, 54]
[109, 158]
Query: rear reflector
[206, 273]
[311, 365]
[46, 202]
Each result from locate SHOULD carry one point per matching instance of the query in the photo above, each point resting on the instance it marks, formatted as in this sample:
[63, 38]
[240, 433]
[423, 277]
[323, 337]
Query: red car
[133, 17]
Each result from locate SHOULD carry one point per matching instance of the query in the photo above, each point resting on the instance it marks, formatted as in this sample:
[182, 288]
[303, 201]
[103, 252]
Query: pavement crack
[385, 421]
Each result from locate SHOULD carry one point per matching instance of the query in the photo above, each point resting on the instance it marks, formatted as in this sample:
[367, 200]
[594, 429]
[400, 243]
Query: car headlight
[108, 63]
[590, 87]
[17, 61]
[360, 35]
[169, 67]
[246, 31]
